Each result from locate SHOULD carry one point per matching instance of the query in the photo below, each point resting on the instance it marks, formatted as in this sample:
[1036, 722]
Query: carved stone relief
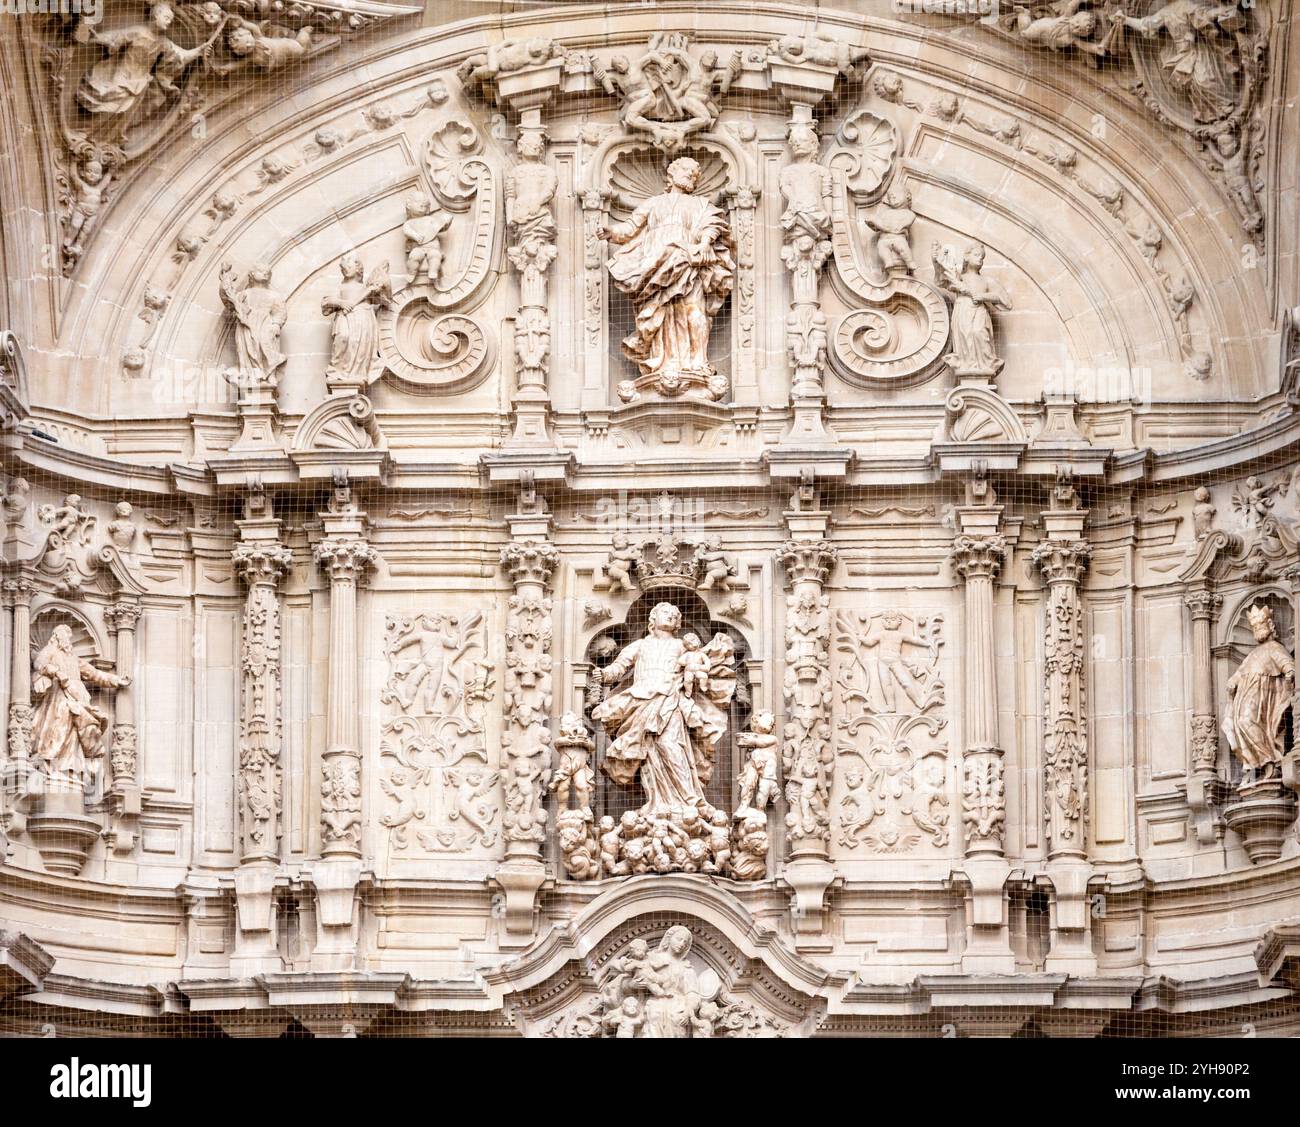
[437, 773]
[891, 743]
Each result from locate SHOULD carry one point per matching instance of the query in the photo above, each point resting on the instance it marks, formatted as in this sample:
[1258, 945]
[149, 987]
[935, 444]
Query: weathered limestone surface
[610, 497]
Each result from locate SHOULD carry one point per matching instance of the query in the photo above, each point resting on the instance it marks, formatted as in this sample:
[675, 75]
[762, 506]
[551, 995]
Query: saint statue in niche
[676, 260]
[658, 730]
[1258, 696]
[66, 729]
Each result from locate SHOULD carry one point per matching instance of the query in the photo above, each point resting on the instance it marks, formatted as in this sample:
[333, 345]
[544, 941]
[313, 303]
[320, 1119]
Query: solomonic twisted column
[346, 562]
[978, 559]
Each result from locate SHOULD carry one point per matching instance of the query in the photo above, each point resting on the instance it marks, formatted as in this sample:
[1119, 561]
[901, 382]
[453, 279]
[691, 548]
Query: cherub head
[1227, 143]
[241, 40]
[803, 140]
[762, 723]
[161, 15]
[898, 195]
[638, 949]
[123, 510]
[1082, 24]
[631, 1006]
[92, 171]
[1202, 494]
[418, 204]
[891, 620]
[691, 641]
[853, 778]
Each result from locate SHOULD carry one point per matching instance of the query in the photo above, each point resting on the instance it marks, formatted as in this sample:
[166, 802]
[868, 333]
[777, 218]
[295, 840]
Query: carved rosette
[528, 694]
[1065, 746]
[807, 753]
[261, 565]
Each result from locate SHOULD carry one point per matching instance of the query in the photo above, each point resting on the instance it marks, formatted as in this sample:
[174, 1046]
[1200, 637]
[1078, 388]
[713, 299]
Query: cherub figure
[121, 530]
[423, 230]
[895, 674]
[717, 569]
[694, 665]
[1230, 157]
[251, 46]
[858, 806]
[719, 831]
[470, 805]
[749, 861]
[524, 794]
[400, 787]
[89, 185]
[574, 770]
[892, 221]
[1069, 25]
[627, 1020]
[1257, 501]
[577, 846]
[1203, 512]
[610, 838]
[758, 780]
[618, 567]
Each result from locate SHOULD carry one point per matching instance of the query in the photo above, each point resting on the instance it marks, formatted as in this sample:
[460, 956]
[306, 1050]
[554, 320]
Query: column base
[336, 883]
[988, 934]
[1071, 943]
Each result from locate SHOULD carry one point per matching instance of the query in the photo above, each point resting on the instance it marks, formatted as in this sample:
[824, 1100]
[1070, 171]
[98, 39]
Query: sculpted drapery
[1258, 696]
[676, 260]
[658, 730]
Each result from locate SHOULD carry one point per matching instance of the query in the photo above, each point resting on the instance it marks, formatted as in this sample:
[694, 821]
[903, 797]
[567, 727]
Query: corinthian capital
[345, 559]
[1203, 603]
[1063, 561]
[807, 561]
[978, 557]
[529, 561]
[123, 616]
[261, 562]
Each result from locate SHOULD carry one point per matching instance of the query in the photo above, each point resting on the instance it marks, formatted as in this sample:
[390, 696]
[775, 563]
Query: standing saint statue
[974, 295]
[67, 728]
[354, 308]
[259, 314]
[1258, 696]
[676, 260]
[666, 736]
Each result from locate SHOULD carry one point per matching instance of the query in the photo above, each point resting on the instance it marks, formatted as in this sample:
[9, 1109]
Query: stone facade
[650, 521]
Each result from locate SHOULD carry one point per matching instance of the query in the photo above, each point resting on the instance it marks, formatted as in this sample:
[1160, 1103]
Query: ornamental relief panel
[441, 792]
[892, 793]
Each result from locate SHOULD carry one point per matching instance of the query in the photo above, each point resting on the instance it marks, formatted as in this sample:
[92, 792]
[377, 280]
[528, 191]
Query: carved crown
[667, 561]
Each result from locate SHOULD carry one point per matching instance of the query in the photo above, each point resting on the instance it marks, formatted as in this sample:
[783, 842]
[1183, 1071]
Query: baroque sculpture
[675, 259]
[68, 726]
[354, 327]
[259, 313]
[657, 992]
[1259, 694]
[666, 738]
[975, 296]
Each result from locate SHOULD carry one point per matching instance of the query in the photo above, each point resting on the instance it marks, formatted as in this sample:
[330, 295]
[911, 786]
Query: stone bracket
[810, 878]
[520, 880]
[124, 824]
